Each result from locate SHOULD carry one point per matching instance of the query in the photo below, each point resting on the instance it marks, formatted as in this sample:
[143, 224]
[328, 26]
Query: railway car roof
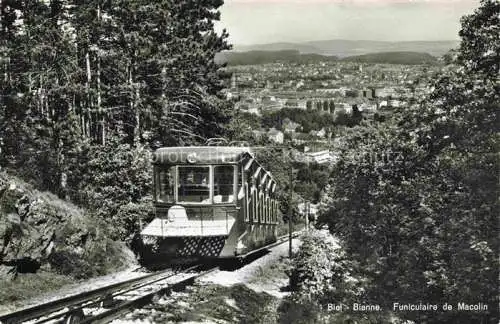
[201, 155]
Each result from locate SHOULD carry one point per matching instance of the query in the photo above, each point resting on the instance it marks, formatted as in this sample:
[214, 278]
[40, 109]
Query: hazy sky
[267, 21]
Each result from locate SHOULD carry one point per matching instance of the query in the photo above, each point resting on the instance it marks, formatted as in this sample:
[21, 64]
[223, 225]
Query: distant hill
[410, 58]
[293, 56]
[344, 48]
[263, 57]
[302, 48]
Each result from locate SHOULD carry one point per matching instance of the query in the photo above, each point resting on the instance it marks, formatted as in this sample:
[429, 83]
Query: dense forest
[406, 58]
[414, 203]
[88, 88]
[310, 120]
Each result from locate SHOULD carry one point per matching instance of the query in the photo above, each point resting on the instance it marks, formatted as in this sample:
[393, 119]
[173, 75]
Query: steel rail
[129, 305]
[79, 299]
[76, 303]
[78, 311]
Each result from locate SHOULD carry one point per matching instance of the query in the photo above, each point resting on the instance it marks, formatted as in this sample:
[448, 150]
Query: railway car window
[247, 202]
[268, 215]
[165, 185]
[194, 184]
[255, 218]
[272, 211]
[261, 208]
[267, 210]
[223, 184]
[240, 187]
[275, 211]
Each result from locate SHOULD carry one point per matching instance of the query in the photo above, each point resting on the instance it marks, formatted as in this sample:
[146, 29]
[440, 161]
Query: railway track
[104, 304]
[92, 306]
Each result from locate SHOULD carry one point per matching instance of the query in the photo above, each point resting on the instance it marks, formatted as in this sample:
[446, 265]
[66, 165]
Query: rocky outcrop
[38, 230]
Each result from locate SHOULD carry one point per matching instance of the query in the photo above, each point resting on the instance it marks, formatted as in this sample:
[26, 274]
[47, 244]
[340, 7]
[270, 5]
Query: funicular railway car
[210, 202]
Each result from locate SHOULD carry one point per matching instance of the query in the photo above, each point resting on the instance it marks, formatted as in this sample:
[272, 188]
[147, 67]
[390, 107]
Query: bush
[132, 217]
[322, 274]
[97, 259]
[84, 249]
[297, 310]
[321, 271]
[415, 199]
[116, 185]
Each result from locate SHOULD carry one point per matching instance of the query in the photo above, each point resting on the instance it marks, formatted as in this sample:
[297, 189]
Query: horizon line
[345, 39]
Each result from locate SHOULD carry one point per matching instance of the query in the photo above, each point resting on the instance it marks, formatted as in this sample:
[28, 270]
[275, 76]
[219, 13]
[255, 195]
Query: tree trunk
[99, 102]
[133, 103]
[89, 97]
[40, 96]
[137, 131]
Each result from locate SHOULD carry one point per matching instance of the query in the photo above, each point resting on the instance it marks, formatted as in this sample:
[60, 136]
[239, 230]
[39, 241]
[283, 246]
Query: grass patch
[272, 271]
[26, 286]
[235, 304]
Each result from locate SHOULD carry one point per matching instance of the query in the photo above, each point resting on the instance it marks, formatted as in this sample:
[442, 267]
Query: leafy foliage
[87, 88]
[480, 39]
[406, 58]
[86, 249]
[415, 198]
[319, 268]
[310, 119]
[116, 185]
[322, 273]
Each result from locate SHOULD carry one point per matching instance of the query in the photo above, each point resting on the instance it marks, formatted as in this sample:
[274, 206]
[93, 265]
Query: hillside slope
[39, 231]
[293, 56]
[264, 57]
[344, 48]
[409, 58]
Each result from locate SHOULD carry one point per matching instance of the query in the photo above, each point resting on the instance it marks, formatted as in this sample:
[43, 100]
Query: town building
[276, 136]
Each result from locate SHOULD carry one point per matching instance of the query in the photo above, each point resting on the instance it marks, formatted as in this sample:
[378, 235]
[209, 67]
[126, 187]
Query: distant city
[330, 87]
